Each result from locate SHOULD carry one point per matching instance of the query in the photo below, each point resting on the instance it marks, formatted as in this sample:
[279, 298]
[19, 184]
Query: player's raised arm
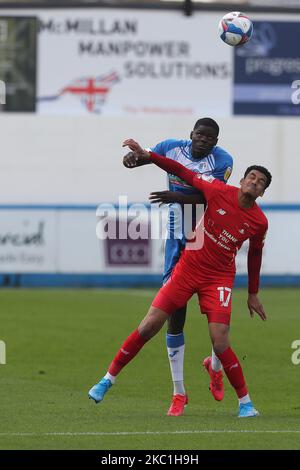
[135, 158]
[166, 164]
[167, 197]
[207, 185]
[130, 160]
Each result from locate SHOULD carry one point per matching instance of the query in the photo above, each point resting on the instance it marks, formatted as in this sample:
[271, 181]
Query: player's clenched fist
[130, 160]
[137, 157]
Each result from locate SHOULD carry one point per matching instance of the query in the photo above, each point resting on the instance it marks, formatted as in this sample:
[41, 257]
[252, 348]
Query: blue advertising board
[267, 71]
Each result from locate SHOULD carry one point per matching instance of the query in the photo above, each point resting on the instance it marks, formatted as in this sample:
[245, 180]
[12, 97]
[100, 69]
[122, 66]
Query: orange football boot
[216, 383]
[177, 405]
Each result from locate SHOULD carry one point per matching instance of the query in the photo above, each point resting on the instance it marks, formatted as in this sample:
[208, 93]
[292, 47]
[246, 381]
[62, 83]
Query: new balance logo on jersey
[173, 353]
[207, 178]
[221, 211]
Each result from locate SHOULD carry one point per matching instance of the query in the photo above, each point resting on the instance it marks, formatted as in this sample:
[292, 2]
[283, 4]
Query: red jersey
[226, 226]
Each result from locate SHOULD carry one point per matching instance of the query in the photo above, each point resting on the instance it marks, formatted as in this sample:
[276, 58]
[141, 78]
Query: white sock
[110, 377]
[176, 358]
[244, 400]
[216, 364]
[178, 388]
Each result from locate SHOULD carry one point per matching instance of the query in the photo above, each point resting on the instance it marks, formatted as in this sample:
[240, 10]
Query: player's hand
[138, 156]
[163, 197]
[254, 305]
[130, 160]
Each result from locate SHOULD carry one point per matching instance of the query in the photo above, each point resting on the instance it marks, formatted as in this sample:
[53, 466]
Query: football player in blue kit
[200, 154]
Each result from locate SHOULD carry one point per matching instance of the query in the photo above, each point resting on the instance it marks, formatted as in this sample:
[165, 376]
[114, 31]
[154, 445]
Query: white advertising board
[131, 62]
[65, 241]
[28, 241]
[114, 61]
[282, 246]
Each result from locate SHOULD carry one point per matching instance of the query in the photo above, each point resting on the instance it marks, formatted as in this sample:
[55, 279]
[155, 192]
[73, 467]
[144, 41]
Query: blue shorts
[173, 250]
[176, 241]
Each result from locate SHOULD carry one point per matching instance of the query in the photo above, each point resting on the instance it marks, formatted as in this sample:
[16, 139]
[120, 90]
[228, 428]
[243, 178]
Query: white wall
[47, 159]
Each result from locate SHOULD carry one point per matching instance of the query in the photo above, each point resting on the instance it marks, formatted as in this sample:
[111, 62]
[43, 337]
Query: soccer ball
[235, 28]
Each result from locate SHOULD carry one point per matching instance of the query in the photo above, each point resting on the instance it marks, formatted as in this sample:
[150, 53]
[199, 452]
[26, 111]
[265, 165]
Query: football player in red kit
[231, 217]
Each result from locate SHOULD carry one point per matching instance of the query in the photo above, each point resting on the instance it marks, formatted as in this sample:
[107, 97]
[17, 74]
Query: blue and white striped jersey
[217, 164]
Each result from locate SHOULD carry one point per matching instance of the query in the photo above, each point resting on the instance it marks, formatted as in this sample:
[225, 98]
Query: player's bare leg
[219, 334]
[175, 347]
[149, 327]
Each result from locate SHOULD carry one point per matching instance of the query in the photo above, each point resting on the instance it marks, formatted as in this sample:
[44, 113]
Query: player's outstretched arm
[131, 160]
[167, 197]
[170, 166]
[137, 157]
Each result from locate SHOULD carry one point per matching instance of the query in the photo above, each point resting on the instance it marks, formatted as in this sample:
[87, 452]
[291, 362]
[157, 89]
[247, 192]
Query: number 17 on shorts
[225, 295]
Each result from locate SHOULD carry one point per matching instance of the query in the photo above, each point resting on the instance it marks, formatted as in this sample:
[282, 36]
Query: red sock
[128, 351]
[234, 372]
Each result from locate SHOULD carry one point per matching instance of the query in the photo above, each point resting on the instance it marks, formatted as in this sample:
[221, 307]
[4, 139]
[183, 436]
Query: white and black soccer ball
[235, 28]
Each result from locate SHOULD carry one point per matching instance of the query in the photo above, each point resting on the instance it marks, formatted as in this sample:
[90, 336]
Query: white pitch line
[139, 433]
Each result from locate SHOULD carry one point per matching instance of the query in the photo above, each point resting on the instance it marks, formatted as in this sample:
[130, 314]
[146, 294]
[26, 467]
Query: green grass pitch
[60, 342]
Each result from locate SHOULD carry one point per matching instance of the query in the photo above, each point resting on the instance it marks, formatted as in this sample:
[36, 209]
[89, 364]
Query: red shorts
[214, 294]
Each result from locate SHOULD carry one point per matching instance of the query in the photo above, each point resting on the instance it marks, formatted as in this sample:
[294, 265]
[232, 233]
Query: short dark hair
[207, 122]
[262, 170]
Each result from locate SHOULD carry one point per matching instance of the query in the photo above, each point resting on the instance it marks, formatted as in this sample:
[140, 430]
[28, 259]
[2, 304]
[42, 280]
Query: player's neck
[245, 200]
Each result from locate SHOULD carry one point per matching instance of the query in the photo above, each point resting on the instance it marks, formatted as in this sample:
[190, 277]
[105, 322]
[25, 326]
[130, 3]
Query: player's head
[204, 137]
[256, 180]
